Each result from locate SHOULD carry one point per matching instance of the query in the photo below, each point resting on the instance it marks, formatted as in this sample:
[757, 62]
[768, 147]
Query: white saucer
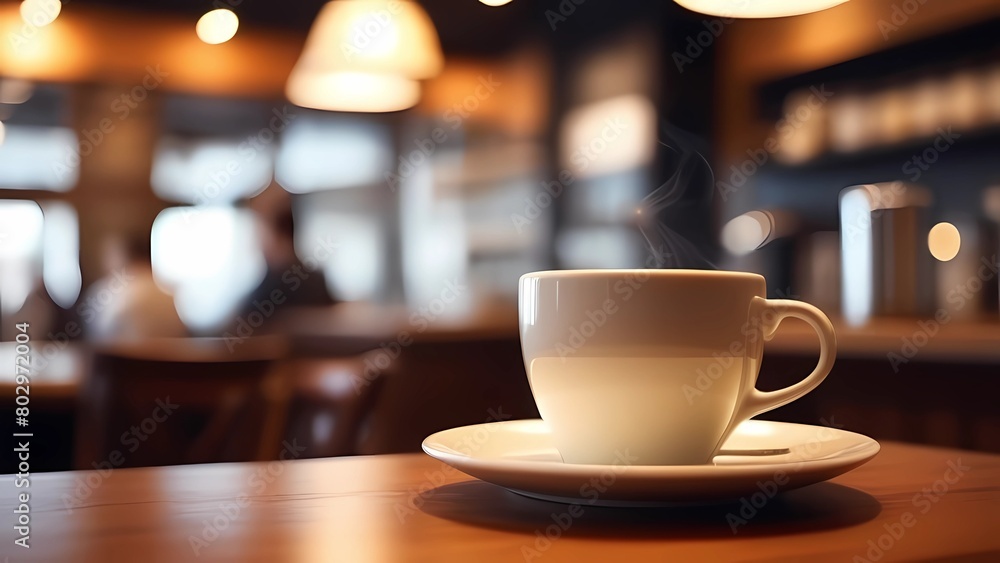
[519, 455]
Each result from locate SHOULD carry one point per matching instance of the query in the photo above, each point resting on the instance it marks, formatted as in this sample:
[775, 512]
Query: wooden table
[412, 508]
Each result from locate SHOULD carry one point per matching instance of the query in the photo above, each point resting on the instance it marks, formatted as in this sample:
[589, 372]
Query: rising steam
[674, 203]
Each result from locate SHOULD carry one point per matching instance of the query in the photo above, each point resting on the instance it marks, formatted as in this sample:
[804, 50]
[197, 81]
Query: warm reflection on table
[413, 508]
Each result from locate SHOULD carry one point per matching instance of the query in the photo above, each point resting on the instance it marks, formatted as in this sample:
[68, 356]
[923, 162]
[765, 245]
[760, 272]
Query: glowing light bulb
[495, 2]
[746, 233]
[352, 91]
[217, 26]
[40, 13]
[944, 241]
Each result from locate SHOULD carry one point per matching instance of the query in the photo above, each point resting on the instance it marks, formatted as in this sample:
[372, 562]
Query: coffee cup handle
[756, 402]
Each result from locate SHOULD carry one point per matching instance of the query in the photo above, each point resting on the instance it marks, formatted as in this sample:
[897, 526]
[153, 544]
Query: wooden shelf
[939, 53]
[979, 140]
[760, 61]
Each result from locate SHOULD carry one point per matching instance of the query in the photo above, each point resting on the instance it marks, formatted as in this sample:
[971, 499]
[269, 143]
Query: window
[21, 227]
[61, 253]
[39, 158]
[209, 258]
[348, 221]
[326, 152]
[39, 241]
[337, 165]
[210, 171]
[37, 150]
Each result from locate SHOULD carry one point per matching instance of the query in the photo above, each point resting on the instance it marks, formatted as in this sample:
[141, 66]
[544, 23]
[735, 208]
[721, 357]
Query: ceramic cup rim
[657, 273]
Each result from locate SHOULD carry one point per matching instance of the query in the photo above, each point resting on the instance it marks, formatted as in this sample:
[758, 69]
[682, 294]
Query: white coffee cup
[659, 364]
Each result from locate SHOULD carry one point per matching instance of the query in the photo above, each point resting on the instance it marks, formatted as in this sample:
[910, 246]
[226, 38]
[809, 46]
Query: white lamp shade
[377, 36]
[352, 91]
[757, 8]
[366, 56]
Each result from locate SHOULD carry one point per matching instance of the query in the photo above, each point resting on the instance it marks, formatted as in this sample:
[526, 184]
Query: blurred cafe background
[244, 229]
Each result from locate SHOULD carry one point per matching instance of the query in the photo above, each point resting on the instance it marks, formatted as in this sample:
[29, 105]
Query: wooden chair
[331, 404]
[181, 400]
[331, 400]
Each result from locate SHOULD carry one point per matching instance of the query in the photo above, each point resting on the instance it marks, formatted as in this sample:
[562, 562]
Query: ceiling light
[217, 26]
[383, 36]
[365, 55]
[40, 13]
[757, 8]
[352, 91]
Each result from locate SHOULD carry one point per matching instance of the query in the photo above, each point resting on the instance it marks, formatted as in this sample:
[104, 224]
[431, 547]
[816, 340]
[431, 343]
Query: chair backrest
[331, 404]
[179, 400]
